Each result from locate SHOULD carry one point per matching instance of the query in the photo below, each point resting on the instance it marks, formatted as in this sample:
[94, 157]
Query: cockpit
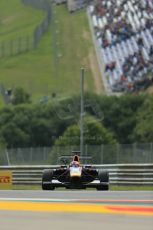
[74, 164]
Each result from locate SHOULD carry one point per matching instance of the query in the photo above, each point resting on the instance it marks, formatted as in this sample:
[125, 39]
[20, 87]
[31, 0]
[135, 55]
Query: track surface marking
[143, 207]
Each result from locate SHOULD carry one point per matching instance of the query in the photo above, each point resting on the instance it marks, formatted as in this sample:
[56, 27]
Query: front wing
[92, 184]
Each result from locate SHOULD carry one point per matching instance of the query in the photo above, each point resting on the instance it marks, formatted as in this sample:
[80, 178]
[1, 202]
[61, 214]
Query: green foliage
[12, 125]
[17, 20]
[94, 134]
[20, 96]
[15, 135]
[50, 68]
[29, 125]
[144, 129]
[119, 114]
[107, 120]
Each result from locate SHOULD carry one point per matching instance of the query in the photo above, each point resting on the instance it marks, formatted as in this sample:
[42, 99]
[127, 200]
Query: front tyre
[47, 180]
[103, 177]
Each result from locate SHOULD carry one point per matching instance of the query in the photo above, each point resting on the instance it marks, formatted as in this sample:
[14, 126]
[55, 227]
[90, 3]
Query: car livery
[75, 176]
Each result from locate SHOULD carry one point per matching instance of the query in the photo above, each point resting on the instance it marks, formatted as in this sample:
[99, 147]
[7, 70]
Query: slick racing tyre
[47, 177]
[103, 178]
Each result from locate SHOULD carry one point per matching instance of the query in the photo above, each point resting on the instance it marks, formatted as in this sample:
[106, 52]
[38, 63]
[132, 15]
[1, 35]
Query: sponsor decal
[5, 179]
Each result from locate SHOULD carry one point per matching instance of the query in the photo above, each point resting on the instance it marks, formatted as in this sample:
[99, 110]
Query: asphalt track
[91, 210]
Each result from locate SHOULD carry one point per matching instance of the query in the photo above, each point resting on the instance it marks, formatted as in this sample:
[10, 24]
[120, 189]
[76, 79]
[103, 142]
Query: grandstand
[124, 35]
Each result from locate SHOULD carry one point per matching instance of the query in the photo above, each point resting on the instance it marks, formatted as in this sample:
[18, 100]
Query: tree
[107, 119]
[120, 115]
[20, 96]
[144, 129]
[16, 136]
[94, 134]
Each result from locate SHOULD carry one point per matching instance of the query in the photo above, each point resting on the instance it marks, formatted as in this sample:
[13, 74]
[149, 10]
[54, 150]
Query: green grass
[1, 101]
[112, 188]
[55, 65]
[131, 188]
[17, 20]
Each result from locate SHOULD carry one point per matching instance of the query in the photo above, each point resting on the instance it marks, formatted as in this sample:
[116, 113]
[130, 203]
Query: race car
[75, 176]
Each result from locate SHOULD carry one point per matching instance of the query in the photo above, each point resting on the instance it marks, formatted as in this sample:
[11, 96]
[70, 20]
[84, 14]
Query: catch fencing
[25, 43]
[99, 154]
[42, 27]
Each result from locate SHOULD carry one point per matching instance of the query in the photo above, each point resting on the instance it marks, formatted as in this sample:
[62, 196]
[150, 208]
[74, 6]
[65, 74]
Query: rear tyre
[47, 177]
[104, 178]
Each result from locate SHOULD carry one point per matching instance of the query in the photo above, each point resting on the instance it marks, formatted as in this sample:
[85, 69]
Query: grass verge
[17, 20]
[54, 67]
[112, 188]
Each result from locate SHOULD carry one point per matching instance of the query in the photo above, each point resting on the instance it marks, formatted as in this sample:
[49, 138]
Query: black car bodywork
[75, 176]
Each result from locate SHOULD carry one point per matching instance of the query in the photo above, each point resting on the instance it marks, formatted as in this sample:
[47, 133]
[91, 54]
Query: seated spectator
[126, 26]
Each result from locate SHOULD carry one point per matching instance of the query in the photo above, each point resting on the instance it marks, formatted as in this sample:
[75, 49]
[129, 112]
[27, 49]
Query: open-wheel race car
[75, 176]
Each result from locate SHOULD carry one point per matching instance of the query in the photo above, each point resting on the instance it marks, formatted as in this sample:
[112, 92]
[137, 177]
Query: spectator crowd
[124, 33]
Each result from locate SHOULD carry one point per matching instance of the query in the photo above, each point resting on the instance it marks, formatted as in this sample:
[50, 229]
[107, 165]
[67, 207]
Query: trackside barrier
[120, 174]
